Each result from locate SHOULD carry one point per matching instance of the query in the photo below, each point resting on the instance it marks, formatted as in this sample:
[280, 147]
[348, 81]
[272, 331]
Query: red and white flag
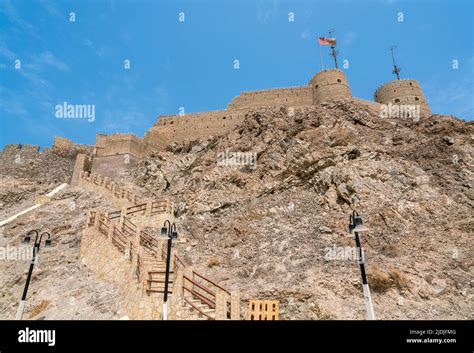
[328, 41]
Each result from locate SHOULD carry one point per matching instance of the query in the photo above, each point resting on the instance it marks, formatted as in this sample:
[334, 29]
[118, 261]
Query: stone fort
[325, 85]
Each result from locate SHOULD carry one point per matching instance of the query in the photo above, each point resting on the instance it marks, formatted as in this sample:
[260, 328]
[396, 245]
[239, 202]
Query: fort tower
[329, 85]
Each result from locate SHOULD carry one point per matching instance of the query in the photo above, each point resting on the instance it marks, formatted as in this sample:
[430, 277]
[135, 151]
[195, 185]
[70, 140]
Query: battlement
[191, 126]
[289, 97]
[118, 143]
[16, 151]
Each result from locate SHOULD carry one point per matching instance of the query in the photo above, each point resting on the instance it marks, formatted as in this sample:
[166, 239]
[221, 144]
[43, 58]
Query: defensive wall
[52, 165]
[292, 96]
[114, 154]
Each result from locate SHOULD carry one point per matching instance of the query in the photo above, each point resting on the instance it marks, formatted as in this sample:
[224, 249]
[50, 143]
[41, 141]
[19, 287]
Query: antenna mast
[396, 69]
[333, 48]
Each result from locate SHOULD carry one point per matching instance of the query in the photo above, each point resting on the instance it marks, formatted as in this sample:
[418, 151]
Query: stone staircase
[196, 307]
[191, 296]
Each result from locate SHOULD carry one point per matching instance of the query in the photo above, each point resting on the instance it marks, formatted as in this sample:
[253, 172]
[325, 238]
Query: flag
[330, 41]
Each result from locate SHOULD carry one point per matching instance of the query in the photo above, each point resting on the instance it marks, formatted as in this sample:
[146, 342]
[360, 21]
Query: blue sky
[190, 64]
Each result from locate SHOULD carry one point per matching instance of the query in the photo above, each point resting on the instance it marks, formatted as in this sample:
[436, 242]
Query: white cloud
[50, 8]
[11, 13]
[7, 53]
[305, 34]
[88, 43]
[48, 58]
[453, 98]
[266, 11]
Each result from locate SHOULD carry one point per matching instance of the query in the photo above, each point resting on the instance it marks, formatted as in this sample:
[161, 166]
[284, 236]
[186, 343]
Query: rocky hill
[275, 224]
[269, 228]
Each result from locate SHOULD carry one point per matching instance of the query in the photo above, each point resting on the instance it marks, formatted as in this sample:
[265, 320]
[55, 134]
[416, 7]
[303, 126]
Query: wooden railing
[149, 242]
[123, 238]
[208, 282]
[119, 239]
[91, 218]
[137, 209]
[209, 317]
[129, 227]
[103, 224]
[114, 215]
[205, 290]
[159, 207]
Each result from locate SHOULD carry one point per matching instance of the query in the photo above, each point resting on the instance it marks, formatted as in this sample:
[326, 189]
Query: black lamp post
[36, 249]
[356, 225]
[169, 231]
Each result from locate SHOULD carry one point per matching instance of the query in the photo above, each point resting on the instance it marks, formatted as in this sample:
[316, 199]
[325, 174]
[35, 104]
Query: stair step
[158, 281]
[158, 291]
[158, 271]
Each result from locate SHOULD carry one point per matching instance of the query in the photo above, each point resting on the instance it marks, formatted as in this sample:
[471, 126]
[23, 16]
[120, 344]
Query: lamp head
[26, 239]
[164, 231]
[356, 224]
[48, 243]
[174, 234]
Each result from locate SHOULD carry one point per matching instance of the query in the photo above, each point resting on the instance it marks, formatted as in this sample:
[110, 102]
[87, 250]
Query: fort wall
[405, 91]
[326, 85]
[291, 97]
[113, 166]
[192, 126]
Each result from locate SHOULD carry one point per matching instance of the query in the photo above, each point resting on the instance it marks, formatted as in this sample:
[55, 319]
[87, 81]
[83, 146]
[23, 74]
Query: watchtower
[330, 85]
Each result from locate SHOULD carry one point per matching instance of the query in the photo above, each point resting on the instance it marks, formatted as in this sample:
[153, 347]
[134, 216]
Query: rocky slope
[276, 226]
[270, 229]
[61, 288]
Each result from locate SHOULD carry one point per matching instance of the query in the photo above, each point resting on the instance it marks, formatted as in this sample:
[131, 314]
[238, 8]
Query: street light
[169, 232]
[36, 249]
[356, 225]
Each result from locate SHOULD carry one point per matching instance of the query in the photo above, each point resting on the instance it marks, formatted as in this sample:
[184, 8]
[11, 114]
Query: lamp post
[36, 249]
[355, 227]
[169, 231]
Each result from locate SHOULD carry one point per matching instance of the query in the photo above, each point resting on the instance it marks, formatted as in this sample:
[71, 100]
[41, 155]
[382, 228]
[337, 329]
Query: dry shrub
[38, 309]
[398, 278]
[213, 261]
[344, 241]
[379, 281]
[390, 250]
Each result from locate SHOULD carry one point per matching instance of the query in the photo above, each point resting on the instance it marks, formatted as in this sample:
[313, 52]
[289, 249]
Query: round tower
[329, 85]
[403, 92]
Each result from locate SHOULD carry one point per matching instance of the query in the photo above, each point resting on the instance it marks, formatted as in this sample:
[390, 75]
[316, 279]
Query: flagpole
[321, 54]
